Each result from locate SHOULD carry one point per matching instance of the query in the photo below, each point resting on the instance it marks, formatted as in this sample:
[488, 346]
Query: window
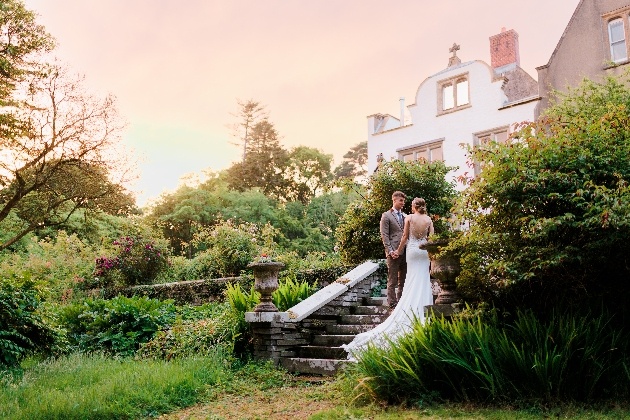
[499, 135]
[429, 152]
[617, 37]
[453, 94]
[615, 25]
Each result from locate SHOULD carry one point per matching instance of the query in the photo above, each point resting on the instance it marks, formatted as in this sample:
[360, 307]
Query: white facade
[492, 102]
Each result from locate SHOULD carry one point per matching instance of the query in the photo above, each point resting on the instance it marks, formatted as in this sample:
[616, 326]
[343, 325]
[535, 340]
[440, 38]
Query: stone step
[325, 367]
[322, 352]
[376, 301]
[332, 340]
[349, 329]
[362, 319]
[371, 310]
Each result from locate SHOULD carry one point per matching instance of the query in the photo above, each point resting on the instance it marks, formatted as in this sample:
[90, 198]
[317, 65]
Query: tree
[358, 233]
[550, 211]
[307, 173]
[61, 156]
[250, 112]
[354, 164]
[264, 164]
[22, 40]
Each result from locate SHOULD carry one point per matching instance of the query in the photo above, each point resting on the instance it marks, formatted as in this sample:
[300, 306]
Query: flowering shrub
[138, 261]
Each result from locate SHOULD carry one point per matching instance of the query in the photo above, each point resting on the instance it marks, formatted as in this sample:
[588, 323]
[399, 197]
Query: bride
[417, 292]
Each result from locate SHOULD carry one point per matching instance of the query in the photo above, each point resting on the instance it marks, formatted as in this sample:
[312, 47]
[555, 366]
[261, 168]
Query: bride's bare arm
[405, 236]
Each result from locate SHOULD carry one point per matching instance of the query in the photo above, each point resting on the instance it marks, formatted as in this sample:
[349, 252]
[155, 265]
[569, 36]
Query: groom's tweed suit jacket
[391, 231]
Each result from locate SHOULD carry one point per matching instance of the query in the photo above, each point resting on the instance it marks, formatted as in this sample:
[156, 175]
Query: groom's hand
[394, 254]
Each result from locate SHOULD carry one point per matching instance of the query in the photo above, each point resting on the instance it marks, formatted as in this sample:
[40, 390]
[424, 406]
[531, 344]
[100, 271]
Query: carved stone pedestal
[265, 283]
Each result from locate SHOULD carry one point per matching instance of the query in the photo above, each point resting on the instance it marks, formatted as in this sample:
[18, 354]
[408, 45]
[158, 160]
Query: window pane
[462, 92]
[615, 29]
[484, 139]
[423, 155]
[436, 154]
[447, 97]
[501, 137]
[408, 157]
[618, 51]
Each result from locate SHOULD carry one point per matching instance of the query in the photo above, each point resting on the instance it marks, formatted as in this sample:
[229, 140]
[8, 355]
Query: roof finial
[454, 60]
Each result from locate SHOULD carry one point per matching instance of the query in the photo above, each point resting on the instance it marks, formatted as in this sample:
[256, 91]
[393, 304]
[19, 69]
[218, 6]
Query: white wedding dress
[416, 295]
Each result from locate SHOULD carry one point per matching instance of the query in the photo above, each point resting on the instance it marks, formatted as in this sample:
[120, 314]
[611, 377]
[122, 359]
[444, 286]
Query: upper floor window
[617, 38]
[429, 152]
[499, 135]
[453, 94]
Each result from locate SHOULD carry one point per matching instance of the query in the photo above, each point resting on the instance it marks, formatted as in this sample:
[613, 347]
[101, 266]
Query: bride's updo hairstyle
[420, 205]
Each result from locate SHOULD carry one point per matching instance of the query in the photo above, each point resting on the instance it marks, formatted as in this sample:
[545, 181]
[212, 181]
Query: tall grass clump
[97, 387]
[195, 334]
[481, 359]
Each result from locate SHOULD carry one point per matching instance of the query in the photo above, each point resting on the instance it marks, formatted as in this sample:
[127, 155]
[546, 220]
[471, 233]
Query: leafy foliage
[354, 164]
[263, 164]
[358, 232]
[196, 336]
[550, 211]
[229, 248]
[117, 326]
[137, 261]
[23, 329]
[480, 358]
[307, 173]
[62, 158]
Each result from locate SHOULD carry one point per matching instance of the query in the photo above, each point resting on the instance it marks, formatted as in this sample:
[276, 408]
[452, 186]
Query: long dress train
[416, 295]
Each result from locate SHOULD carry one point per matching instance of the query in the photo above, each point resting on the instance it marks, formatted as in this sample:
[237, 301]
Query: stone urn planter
[445, 267]
[265, 283]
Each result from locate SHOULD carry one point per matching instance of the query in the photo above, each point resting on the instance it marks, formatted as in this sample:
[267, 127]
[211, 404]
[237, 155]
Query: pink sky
[320, 66]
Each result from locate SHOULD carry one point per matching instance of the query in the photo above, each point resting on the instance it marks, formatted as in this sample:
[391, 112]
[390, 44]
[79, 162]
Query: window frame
[415, 150]
[623, 15]
[492, 132]
[453, 82]
[612, 43]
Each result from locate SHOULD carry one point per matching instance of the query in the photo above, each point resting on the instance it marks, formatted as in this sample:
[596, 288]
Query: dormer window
[617, 37]
[453, 94]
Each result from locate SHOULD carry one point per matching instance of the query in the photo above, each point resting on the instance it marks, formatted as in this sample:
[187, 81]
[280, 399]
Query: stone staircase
[324, 355]
[308, 337]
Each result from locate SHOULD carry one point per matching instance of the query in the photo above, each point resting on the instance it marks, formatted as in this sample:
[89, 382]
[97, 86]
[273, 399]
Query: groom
[392, 222]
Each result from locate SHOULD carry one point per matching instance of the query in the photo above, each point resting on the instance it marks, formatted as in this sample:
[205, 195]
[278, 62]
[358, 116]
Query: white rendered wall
[486, 97]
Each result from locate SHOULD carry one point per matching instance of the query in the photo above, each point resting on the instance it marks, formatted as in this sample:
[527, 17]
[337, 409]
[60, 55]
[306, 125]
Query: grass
[214, 388]
[96, 387]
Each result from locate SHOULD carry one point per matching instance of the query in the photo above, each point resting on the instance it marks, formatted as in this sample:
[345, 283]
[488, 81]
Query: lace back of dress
[419, 228]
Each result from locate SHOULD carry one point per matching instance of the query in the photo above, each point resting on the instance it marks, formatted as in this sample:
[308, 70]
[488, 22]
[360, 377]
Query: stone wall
[194, 292]
[277, 334]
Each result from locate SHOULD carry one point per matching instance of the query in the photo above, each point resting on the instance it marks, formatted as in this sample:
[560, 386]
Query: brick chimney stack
[504, 50]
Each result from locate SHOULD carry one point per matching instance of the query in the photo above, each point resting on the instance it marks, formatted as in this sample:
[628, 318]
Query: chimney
[504, 53]
[402, 111]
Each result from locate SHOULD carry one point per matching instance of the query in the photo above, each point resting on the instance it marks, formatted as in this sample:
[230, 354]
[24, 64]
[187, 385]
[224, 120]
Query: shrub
[117, 326]
[314, 268]
[59, 265]
[568, 358]
[195, 336]
[358, 233]
[23, 329]
[550, 211]
[230, 247]
[137, 261]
